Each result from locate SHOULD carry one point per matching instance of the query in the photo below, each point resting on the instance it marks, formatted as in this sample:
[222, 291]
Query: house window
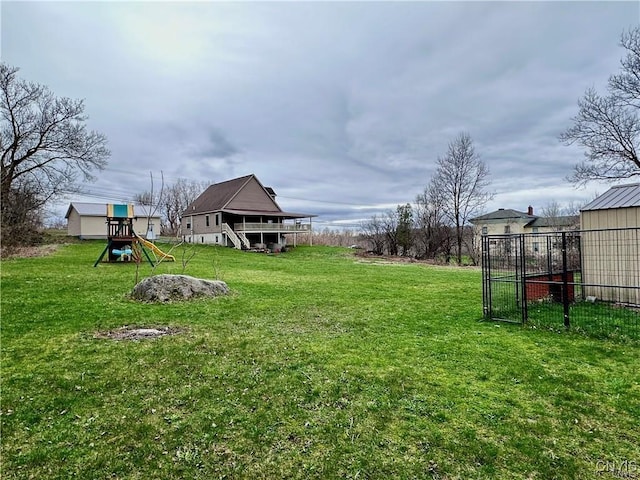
[206, 220]
[507, 229]
[485, 230]
[535, 230]
[217, 236]
[217, 219]
[201, 239]
[188, 225]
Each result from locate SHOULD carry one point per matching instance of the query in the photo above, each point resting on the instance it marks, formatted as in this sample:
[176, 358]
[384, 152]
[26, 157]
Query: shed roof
[619, 196]
[87, 209]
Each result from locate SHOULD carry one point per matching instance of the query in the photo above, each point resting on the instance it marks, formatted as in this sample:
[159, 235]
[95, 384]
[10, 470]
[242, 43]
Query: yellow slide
[156, 250]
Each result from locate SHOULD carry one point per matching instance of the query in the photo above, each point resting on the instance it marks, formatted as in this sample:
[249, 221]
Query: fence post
[565, 281]
[486, 278]
[523, 278]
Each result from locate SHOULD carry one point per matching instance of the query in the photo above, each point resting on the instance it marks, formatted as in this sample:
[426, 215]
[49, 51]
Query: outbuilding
[611, 245]
[89, 221]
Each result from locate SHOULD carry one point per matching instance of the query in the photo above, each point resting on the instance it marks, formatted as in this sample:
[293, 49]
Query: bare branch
[608, 127]
[44, 143]
[460, 182]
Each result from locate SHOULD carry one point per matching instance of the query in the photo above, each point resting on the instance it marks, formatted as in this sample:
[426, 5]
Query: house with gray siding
[244, 214]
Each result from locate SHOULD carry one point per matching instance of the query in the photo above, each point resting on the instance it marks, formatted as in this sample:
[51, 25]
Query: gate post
[486, 279]
[523, 279]
[565, 281]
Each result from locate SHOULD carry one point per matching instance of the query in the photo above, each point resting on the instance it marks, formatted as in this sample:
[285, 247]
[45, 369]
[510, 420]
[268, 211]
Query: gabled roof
[504, 214]
[507, 214]
[620, 196]
[87, 209]
[218, 195]
[242, 196]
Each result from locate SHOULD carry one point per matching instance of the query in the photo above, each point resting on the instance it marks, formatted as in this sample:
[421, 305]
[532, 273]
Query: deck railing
[270, 227]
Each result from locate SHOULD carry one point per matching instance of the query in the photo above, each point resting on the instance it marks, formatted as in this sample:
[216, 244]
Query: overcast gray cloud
[343, 108]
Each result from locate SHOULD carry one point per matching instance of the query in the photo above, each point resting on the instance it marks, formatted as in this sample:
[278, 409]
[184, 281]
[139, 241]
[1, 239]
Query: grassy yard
[319, 365]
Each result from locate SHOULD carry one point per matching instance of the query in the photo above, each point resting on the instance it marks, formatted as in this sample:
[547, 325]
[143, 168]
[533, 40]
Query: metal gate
[502, 275]
[519, 269]
[586, 279]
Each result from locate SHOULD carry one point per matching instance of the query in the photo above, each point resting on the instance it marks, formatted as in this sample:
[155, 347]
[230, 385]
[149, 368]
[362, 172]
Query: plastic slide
[156, 250]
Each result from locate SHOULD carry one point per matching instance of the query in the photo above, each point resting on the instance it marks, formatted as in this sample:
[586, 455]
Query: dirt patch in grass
[138, 333]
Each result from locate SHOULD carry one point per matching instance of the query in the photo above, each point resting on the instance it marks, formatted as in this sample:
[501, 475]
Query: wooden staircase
[235, 239]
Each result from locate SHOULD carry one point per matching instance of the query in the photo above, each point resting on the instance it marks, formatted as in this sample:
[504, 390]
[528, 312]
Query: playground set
[123, 243]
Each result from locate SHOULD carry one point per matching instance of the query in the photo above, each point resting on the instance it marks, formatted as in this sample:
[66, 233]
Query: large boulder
[166, 288]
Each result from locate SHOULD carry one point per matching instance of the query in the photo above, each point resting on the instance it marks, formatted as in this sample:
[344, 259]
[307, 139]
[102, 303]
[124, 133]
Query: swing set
[123, 243]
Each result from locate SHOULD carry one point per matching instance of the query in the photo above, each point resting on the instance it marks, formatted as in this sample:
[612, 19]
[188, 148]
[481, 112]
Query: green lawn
[319, 365]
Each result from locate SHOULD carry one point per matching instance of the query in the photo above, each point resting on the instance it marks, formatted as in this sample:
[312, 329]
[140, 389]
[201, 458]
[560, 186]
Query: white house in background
[507, 221]
[89, 221]
[611, 245]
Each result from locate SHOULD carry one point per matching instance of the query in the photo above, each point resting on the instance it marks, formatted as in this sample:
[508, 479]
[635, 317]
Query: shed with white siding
[89, 220]
[611, 245]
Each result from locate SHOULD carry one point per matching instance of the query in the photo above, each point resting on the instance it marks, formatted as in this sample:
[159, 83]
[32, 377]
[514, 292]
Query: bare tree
[44, 144]
[22, 217]
[560, 217]
[173, 201]
[405, 234]
[608, 126]
[390, 230]
[145, 198]
[461, 180]
[373, 232]
[432, 234]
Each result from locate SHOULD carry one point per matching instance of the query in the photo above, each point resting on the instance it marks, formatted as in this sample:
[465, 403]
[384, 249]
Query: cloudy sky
[342, 108]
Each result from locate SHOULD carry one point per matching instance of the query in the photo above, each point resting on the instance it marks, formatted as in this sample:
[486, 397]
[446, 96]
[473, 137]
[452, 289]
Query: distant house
[507, 221]
[511, 222]
[89, 221]
[611, 245]
[241, 213]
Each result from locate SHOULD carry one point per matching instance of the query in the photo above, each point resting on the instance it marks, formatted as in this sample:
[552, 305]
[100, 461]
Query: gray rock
[166, 288]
